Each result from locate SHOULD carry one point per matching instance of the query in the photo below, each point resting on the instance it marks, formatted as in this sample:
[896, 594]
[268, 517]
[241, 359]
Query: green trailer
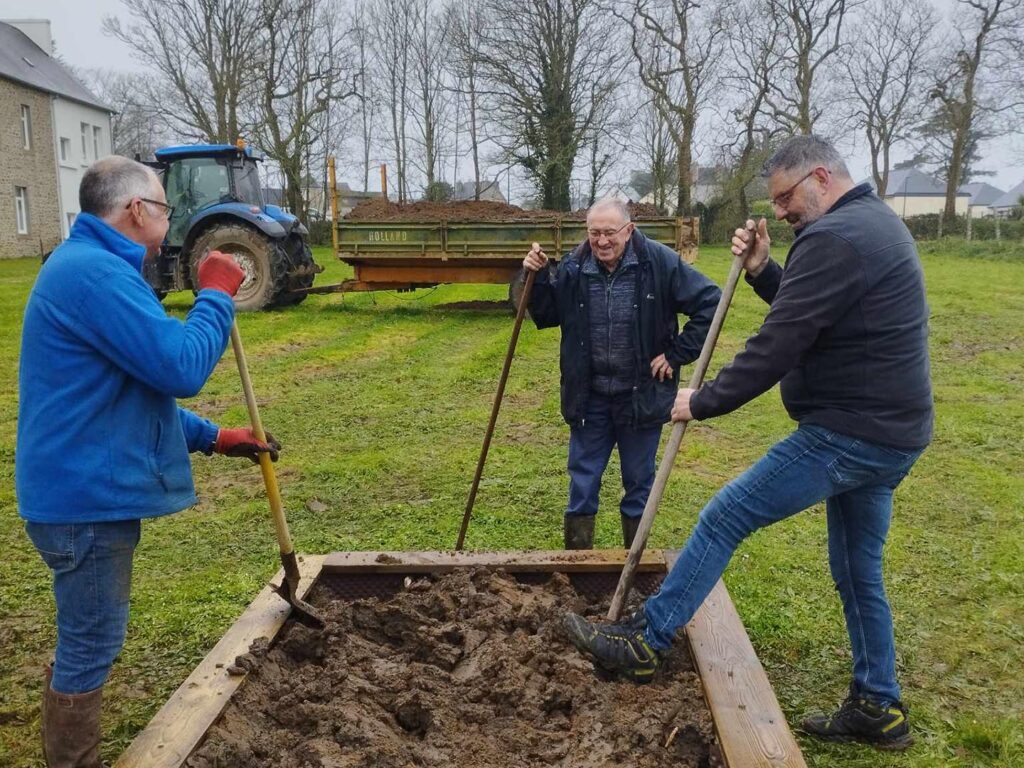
[404, 255]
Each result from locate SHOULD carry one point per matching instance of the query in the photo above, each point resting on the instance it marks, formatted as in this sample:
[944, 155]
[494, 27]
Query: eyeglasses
[168, 209]
[597, 234]
[782, 200]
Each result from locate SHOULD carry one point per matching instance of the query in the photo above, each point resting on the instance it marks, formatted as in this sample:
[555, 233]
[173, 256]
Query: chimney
[37, 30]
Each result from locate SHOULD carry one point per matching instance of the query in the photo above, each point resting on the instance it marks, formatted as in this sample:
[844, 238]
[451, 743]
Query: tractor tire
[264, 262]
[300, 257]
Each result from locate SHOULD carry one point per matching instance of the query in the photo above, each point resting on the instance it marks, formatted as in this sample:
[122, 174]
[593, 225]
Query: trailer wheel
[262, 260]
[515, 291]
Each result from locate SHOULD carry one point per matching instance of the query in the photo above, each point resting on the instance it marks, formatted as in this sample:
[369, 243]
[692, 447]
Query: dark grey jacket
[665, 286]
[847, 332]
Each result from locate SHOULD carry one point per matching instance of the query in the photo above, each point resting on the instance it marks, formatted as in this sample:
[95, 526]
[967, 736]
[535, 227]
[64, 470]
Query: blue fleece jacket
[100, 436]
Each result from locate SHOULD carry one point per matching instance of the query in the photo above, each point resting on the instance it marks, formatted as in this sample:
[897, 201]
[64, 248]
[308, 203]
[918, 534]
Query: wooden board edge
[579, 561]
[752, 729]
[182, 722]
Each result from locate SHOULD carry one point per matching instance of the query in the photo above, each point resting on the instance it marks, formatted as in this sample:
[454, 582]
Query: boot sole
[890, 745]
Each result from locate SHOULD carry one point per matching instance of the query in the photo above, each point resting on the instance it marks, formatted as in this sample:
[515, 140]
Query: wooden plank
[578, 561]
[182, 722]
[751, 728]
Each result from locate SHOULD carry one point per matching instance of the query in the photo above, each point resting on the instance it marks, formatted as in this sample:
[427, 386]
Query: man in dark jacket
[616, 298]
[102, 443]
[847, 337]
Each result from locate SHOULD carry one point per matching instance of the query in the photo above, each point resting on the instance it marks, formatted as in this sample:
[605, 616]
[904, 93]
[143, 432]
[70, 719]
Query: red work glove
[221, 272]
[241, 442]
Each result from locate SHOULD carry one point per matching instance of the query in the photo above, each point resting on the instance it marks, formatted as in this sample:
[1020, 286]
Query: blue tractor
[218, 205]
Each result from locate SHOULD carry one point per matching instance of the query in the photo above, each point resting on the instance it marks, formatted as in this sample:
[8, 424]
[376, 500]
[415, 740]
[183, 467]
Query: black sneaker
[619, 648]
[860, 719]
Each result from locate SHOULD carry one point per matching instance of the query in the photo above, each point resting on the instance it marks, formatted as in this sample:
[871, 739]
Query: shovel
[288, 588]
[672, 448]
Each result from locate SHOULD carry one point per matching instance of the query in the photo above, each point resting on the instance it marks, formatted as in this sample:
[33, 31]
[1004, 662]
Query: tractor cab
[218, 205]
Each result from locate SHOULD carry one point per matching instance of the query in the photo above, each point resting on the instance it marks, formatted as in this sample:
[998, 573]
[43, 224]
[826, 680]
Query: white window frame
[65, 149]
[97, 135]
[21, 209]
[26, 126]
[85, 143]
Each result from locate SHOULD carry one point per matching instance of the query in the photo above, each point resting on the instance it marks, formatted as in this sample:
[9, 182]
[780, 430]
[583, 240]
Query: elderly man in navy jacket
[616, 298]
[101, 441]
[846, 335]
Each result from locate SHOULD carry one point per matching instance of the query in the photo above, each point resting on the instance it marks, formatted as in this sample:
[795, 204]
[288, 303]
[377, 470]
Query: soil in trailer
[472, 210]
[467, 669]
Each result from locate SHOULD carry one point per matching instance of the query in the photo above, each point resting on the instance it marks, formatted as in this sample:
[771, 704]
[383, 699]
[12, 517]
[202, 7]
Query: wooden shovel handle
[668, 458]
[284, 538]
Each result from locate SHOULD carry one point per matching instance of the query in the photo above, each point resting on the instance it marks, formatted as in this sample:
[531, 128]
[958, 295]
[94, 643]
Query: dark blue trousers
[606, 425]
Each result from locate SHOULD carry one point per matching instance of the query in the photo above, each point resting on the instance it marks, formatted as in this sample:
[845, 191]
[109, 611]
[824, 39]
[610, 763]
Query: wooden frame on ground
[752, 730]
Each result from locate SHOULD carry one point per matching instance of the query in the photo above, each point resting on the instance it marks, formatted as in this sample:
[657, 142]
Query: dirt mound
[472, 210]
[468, 669]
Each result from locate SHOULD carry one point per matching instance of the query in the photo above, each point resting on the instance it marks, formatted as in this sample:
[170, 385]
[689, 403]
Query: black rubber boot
[859, 719]
[579, 531]
[629, 528]
[619, 648]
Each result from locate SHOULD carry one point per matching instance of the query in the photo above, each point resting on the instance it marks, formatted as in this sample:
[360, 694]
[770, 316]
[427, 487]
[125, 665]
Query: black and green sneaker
[618, 648]
[884, 726]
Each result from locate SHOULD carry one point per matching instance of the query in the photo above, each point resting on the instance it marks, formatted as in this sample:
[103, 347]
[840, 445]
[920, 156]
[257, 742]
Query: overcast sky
[77, 31]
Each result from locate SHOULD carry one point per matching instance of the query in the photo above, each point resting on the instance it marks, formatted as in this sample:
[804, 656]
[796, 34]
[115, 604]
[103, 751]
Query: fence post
[969, 222]
[997, 227]
[939, 235]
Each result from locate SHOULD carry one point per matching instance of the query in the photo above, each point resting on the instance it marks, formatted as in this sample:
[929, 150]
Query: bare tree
[362, 38]
[979, 81]
[678, 48]
[302, 70]
[465, 23]
[811, 39]
[547, 66]
[136, 126]
[659, 151]
[884, 74]
[754, 63]
[204, 50]
[429, 49]
[393, 30]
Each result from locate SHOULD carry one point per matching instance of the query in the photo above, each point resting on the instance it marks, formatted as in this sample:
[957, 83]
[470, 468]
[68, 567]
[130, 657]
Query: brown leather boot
[579, 531]
[71, 728]
[629, 529]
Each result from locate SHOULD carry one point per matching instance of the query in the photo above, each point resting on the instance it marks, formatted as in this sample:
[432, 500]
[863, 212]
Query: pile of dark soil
[471, 210]
[468, 669]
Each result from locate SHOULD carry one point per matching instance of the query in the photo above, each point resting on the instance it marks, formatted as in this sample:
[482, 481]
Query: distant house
[348, 198]
[709, 183]
[982, 197]
[1007, 204]
[53, 128]
[911, 192]
[490, 189]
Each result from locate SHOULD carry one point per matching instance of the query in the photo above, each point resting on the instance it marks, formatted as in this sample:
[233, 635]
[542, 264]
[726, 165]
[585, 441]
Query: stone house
[51, 129]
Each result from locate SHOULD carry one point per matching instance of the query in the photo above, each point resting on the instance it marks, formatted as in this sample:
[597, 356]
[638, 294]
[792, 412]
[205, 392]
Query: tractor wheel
[300, 258]
[263, 262]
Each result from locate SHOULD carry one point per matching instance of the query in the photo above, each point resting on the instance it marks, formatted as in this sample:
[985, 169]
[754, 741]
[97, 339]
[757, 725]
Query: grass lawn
[381, 403]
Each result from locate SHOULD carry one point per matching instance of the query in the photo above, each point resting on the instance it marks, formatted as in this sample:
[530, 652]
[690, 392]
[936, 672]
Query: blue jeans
[92, 577]
[857, 480]
[605, 425]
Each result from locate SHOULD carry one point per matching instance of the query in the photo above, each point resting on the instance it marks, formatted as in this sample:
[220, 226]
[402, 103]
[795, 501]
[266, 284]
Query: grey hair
[802, 153]
[112, 181]
[615, 204]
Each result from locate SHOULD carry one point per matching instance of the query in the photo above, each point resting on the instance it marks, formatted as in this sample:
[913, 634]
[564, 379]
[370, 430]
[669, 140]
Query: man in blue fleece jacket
[101, 441]
[846, 337]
